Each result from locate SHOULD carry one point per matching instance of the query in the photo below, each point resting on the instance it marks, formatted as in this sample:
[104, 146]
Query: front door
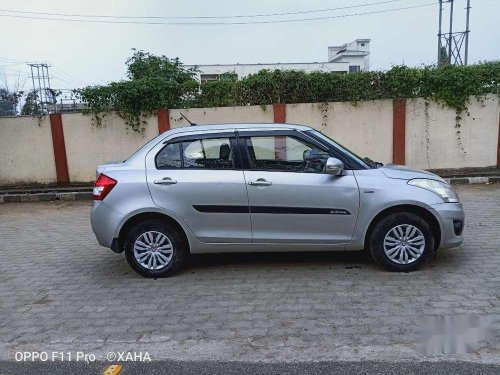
[197, 178]
[291, 198]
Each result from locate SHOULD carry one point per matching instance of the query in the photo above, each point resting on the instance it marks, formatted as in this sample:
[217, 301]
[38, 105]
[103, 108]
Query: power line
[11, 64]
[60, 81]
[12, 70]
[67, 75]
[16, 75]
[201, 17]
[62, 75]
[219, 23]
[10, 60]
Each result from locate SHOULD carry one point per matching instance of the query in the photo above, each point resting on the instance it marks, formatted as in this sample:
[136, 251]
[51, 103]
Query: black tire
[179, 245]
[384, 226]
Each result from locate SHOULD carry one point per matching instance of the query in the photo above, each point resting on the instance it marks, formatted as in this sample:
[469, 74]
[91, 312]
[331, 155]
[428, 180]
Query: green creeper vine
[324, 117]
[458, 120]
[155, 82]
[427, 132]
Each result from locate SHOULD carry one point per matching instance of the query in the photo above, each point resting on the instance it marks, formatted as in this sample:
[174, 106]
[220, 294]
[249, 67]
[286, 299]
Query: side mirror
[334, 166]
[315, 155]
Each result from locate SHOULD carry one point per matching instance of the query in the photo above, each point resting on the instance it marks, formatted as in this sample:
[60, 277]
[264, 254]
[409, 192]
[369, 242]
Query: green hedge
[156, 82]
[449, 85]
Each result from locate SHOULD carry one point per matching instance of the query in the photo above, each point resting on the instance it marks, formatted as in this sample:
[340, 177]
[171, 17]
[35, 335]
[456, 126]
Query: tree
[154, 82]
[10, 94]
[31, 105]
[7, 107]
[443, 56]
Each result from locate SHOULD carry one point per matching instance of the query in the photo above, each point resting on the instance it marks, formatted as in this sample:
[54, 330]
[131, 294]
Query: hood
[405, 173]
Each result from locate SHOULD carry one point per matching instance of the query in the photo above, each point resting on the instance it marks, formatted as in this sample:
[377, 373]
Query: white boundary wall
[27, 156]
[365, 128]
[432, 141]
[26, 151]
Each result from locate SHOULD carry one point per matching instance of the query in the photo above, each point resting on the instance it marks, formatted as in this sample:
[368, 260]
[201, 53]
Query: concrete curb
[36, 196]
[45, 197]
[473, 180]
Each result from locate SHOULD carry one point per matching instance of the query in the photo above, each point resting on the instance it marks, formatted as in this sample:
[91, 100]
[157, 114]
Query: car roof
[200, 129]
[250, 126]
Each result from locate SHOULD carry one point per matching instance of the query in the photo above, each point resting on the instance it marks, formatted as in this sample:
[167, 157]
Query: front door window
[286, 154]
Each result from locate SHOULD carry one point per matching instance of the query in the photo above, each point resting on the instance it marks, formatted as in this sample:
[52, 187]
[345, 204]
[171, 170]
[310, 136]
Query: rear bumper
[105, 222]
[451, 217]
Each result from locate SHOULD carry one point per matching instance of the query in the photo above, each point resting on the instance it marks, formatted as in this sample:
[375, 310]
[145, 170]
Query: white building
[348, 58]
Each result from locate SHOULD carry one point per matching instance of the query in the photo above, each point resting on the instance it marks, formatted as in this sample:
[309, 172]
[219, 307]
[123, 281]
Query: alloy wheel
[153, 250]
[404, 244]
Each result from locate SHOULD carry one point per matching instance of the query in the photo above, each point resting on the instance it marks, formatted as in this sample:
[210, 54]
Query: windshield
[338, 146]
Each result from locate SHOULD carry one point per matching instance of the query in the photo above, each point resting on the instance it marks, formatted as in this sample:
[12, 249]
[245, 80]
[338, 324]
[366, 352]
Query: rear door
[200, 179]
[293, 200]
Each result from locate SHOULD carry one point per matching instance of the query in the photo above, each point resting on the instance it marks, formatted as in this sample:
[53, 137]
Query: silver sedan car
[267, 187]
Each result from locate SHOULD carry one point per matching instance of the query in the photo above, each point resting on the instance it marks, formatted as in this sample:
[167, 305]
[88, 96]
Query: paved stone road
[59, 290]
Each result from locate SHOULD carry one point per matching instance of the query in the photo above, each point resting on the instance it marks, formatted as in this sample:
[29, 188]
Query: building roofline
[347, 54]
[355, 40]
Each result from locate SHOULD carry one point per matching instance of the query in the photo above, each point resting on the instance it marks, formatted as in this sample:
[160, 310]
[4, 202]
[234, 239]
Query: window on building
[229, 76]
[354, 68]
[209, 77]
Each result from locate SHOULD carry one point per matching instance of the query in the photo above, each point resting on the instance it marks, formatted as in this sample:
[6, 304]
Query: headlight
[438, 187]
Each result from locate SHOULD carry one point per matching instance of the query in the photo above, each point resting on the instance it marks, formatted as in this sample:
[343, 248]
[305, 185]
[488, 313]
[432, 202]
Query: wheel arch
[137, 218]
[424, 213]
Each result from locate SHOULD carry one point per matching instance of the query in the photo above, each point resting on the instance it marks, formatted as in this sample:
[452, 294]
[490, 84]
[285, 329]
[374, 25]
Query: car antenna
[190, 123]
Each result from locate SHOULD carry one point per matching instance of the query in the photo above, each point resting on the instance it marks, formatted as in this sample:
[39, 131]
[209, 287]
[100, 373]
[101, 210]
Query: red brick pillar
[163, 120]
[398, 131]
[498, 144]
[279, 111]
[59, 149]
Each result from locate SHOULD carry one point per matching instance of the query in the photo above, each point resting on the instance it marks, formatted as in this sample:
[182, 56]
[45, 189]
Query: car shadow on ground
[330, 259]
[333, 260]
[354, 259]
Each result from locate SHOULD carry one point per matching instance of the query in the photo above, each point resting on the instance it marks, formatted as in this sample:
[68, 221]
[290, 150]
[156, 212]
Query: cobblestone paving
[59, 290]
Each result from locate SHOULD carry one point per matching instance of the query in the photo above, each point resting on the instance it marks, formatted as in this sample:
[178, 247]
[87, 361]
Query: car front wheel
[401, 241]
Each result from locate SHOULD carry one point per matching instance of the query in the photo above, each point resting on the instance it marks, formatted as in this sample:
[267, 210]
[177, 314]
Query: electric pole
[41, 86]
[453, 46]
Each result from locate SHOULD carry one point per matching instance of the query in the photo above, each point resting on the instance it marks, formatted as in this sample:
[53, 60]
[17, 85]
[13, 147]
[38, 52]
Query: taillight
[103, 186]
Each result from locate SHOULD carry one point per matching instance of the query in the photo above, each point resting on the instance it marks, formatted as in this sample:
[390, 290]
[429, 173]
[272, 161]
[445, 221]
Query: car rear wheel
[401, 241]
[154, 249]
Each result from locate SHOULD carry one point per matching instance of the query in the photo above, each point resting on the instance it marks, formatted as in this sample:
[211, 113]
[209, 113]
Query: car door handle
[165, 181]
[260, 182]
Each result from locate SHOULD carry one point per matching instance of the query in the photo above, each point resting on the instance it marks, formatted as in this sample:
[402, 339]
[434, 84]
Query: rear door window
[207, 153]
[169, 157]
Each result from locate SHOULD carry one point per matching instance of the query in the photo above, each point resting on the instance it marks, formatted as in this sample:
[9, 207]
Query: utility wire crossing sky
[88, 18]
[89, 42]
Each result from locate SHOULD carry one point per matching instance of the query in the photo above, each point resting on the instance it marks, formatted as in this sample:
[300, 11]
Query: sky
[82, 53]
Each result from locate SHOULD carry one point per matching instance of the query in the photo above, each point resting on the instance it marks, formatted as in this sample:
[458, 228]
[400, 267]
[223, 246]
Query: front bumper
[450, 216]
[105, 223]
